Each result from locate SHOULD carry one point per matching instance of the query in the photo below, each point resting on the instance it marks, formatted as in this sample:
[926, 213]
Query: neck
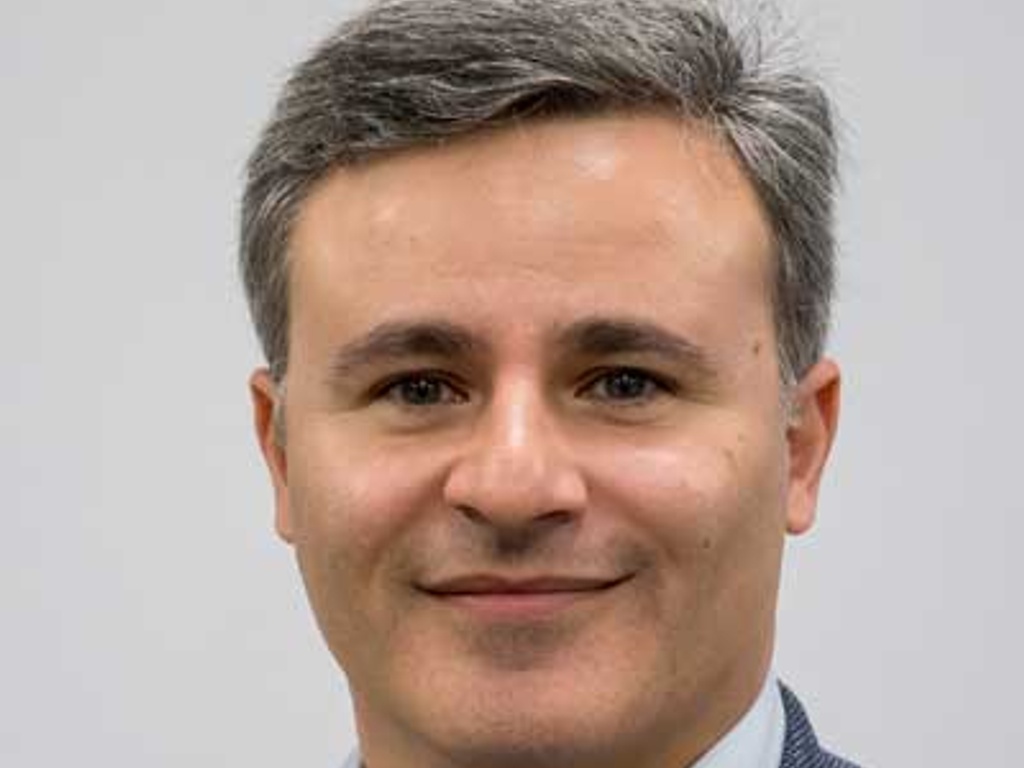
[679, 743]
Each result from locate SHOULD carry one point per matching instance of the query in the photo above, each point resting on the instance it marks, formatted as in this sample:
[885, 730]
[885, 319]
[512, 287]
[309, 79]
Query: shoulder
[801, 749]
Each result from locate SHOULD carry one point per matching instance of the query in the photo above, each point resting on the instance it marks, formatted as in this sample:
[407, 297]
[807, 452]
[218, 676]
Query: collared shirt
[756, 741]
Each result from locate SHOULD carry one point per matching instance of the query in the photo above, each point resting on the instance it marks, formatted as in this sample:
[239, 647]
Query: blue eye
[624, 385]
[421, 390]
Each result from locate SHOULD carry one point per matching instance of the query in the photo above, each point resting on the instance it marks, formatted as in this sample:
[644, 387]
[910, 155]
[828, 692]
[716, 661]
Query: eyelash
[391, 389]
[657, 385]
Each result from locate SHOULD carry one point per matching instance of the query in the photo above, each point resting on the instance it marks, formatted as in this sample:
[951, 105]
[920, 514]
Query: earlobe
[266, 413]
[810, 435]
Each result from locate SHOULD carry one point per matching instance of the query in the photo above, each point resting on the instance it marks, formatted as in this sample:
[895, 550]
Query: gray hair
[409, 73]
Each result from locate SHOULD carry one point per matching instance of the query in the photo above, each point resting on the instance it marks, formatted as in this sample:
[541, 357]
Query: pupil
[626, 385]
[421, 391]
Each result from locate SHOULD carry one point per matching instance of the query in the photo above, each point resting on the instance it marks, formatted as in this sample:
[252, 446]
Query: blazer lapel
[801, 749]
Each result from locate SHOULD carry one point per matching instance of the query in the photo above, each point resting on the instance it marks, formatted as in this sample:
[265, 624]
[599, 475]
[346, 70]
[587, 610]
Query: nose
[517, 470]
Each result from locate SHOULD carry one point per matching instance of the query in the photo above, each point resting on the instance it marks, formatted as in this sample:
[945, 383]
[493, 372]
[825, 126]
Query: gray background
[150, 617]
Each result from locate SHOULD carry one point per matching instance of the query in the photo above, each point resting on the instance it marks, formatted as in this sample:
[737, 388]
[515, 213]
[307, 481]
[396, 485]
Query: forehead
[638, 211]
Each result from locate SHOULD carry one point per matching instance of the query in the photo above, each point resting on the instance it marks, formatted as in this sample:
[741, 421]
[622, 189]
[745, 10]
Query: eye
[420, 390]
[625, 386]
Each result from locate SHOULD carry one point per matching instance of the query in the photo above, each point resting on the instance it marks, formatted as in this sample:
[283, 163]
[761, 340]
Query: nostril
[472, 514]
[540, 520]
[555, 518]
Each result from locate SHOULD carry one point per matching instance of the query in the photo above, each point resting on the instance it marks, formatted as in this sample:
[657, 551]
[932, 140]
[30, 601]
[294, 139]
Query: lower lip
[520, 606]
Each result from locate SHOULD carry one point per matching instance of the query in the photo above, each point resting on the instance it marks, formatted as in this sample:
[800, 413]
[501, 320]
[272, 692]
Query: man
[543, 287]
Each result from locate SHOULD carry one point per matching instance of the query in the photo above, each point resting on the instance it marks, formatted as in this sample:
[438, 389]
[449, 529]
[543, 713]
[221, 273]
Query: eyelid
[388, 385]
[663, 383]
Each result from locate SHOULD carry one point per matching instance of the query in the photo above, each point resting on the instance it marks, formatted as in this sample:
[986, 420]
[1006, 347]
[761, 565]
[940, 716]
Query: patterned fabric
[801, 749]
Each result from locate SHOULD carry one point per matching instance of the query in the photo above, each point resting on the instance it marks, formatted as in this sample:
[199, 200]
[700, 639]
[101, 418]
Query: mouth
[501, 598]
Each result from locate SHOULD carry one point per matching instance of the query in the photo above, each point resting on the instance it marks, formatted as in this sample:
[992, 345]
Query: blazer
[801, 748]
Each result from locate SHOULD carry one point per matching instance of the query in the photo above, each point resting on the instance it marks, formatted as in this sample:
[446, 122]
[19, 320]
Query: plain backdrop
[149, 615]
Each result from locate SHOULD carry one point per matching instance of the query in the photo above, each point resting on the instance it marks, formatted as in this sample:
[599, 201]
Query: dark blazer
[801, 749]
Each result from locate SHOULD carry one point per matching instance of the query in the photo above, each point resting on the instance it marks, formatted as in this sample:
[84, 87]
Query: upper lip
[487, 584]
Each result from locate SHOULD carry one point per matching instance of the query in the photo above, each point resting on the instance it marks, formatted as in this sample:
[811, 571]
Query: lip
[495, 597]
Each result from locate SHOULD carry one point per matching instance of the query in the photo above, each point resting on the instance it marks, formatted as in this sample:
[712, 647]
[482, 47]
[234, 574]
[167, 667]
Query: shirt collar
[756, 741]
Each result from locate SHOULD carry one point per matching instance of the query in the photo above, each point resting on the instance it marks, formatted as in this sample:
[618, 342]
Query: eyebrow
[393, 341]
[593, 337]
[604, 337]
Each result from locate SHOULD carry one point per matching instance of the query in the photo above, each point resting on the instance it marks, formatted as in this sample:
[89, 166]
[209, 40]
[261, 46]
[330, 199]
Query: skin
[545, 353]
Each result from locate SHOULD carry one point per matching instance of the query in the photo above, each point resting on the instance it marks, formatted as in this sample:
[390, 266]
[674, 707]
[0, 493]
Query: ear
[811, 430]
[267, 403]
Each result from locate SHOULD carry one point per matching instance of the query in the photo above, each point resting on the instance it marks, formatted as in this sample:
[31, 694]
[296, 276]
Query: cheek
[697, 496]
[352, 508]
[711, 511]
[677, 490]
[356, 502]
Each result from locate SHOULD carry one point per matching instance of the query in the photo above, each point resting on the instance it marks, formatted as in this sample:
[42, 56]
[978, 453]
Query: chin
[515, 738]
[570, 716]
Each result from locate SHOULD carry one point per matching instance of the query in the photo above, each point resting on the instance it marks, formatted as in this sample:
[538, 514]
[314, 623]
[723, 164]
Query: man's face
[536, 465]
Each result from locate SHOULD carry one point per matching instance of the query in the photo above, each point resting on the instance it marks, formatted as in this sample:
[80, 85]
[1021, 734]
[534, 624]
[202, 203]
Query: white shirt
[756, 741]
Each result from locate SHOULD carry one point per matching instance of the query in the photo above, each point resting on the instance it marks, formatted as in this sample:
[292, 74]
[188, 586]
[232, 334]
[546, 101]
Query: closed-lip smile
[498, 597]
[481, 584]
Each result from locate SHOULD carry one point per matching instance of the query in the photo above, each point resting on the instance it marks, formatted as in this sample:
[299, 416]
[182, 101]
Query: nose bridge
[517, 465]
[517, 406]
